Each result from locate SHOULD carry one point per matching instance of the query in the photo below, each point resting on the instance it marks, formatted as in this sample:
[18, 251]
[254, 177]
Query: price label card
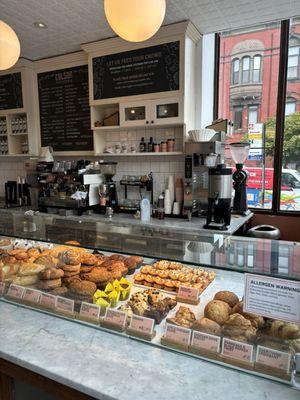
[88, 310]
[47, 300]
[64, 305]
[188, 293]
[273, 358]
[272, 297]
[115, 317]
[2, 288]
[237, 350]
[178, 334]
[32, 295]
[206, 341]
[16, 291]
[142, 324]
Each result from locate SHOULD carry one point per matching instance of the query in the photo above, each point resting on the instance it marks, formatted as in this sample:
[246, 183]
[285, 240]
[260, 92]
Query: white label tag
[88, 310]
[206, 341]
[272, 298]
[65, 305]
[273, 358]
[16, 291]
[178, 334]
[31, 295]
[47, 300]
[188, 293]
[142, 324]
[115, 317]
[237, 350]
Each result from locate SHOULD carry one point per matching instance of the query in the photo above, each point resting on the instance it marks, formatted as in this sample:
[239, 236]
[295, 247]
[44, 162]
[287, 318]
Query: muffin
[217, 311]
[207, 326]
[229, 297]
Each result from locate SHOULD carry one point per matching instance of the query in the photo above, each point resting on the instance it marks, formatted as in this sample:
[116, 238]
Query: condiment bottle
[150, 145]
[161, 207]
[156, 148]
[142, 146]
[163, 147]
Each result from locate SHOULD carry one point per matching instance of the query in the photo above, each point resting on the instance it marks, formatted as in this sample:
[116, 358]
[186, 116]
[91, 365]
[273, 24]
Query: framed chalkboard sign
[11, 91]
[64, 109]
[142, 71]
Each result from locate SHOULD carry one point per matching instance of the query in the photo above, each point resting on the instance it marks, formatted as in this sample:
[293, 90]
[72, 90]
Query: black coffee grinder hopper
[239, 152]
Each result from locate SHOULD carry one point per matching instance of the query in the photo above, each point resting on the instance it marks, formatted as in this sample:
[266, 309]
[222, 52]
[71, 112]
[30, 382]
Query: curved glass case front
[177, 290]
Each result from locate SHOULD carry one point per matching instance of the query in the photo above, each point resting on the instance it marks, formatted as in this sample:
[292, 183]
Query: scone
[84, 288]
[50, 284]
[229, 297]
[217, 311]
[282, 330]
[47, 260]
[71, 268]
[256, 320]
[239, 328]
[207, 326]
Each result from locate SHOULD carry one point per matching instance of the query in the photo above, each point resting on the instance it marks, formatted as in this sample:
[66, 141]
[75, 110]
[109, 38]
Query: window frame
[280, 115]
[255, 69]
[245, 82]
[233, 72]
[297, 56]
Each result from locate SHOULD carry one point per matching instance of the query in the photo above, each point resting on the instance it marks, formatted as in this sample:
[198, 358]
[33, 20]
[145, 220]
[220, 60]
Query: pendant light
[9, 46]
[135, 20]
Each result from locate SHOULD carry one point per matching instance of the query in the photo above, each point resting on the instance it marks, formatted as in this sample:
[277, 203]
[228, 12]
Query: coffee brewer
[199, 158]
[239, 152]
[219, 198]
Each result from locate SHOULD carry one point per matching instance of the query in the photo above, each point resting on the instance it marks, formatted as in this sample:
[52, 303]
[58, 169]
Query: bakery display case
[234, 301]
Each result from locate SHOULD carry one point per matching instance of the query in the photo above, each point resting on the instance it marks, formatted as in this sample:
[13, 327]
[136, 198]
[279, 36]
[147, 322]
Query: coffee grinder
[219, 198]
[239, 152]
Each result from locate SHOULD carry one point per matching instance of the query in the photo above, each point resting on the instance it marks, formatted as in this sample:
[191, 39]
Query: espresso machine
[239, 152]
[219, 198]
[199, 158]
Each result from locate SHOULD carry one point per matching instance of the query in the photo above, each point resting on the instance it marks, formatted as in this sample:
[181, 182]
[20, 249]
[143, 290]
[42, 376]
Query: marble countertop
[107, 366]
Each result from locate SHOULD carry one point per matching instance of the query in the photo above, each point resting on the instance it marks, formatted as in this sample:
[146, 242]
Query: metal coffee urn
[219, 198]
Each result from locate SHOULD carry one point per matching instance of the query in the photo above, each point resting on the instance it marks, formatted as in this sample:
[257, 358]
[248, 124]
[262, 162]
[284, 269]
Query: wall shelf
[174, 153]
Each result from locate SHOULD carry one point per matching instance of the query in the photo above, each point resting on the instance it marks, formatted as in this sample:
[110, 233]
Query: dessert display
[184, 317]
[170, 275]
[149, 303]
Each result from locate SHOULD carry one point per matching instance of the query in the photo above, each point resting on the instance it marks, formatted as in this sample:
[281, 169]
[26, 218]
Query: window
[245, 69]
[290, 107]
[293, 62]
[238, 117]
[249, 105]
[290, 177]
[235, 71]
[256, 77]
[252, 114]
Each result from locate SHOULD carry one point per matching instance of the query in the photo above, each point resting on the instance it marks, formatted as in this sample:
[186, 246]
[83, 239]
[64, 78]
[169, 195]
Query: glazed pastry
[19, 254]
[34, 252]
[229, 297]
[217, 311]
[239, 328]
[25, 280]
[48, 285]
[8, 271]
[27, 269]
[47, 260]
[51, 273]
[207, 326]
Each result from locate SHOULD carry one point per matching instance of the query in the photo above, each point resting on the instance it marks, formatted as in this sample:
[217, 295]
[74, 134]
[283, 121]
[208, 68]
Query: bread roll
[229, 297]
[27, 269]
[217, 311]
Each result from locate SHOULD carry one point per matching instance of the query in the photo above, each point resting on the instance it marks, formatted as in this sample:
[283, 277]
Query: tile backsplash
[160, 166]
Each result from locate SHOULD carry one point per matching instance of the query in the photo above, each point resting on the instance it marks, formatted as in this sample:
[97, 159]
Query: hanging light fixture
[9, 46]
[135, 20]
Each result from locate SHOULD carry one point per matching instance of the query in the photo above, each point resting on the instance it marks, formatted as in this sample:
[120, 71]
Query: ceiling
[72, 22]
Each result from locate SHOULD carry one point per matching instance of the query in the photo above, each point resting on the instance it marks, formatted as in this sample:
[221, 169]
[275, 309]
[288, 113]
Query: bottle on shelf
[145, 210]
[163, 147]
[151, 145]
[142, 146]
[161, 207]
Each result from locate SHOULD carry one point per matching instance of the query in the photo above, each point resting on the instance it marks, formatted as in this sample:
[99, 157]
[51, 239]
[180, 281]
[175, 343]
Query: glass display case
[231, 300]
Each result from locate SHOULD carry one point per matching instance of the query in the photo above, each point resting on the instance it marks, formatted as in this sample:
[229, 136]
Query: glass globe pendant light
[9, 46]
[135, 20]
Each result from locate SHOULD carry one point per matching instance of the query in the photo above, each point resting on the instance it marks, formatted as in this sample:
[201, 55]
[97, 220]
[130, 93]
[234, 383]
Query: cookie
[47, 260]
[71, 268]
[71, 273]
[66, 280]
[69, 257]
[51, 273]
[88, 259]
[59, 291]
[84, 269]
[97, 275]
[50, 284]
[84, 288]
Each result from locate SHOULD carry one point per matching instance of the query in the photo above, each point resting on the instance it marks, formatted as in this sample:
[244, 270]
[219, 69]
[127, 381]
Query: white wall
[207, 90]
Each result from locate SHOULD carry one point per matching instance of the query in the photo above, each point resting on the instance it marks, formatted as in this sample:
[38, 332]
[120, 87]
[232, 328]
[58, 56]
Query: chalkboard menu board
[64, 109]
[11, 91]
[147, 70]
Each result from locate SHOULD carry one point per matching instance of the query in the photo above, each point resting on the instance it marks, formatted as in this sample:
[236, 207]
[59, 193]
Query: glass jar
[163, 147]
